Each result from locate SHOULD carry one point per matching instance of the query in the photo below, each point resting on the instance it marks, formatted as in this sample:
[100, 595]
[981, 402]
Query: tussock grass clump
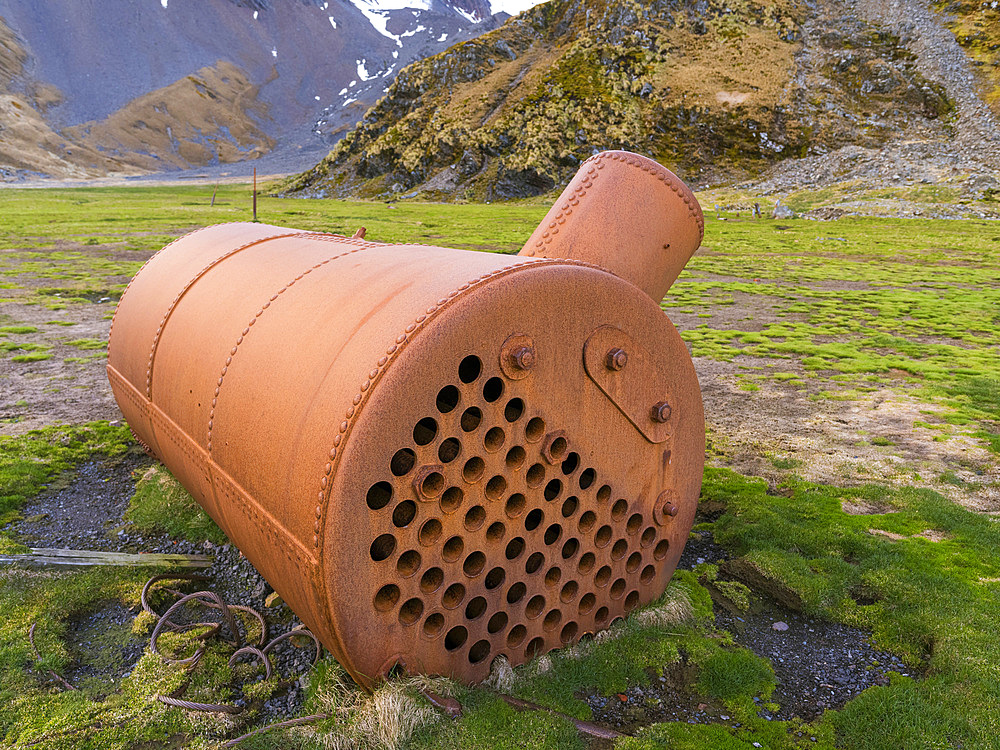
[383, 720]
[673, 608]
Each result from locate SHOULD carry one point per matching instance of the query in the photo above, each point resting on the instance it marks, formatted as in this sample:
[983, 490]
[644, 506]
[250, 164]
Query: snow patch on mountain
[363, 73]
[512, 7]
[378, 13]
[470, 17]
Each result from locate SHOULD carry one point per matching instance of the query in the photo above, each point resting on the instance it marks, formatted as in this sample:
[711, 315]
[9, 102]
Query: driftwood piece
[58, 558]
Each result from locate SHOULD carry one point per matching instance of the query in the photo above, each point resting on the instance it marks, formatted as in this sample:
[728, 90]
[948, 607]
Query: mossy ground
[826, 315]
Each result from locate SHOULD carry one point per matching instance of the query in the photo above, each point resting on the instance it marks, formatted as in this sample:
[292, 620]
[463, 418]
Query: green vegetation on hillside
[706, 90]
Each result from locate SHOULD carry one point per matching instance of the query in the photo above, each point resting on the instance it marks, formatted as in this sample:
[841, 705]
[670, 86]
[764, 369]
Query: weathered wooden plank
[49, 557]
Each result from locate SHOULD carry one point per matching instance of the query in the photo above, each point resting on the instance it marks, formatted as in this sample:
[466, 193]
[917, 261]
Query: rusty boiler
[434, 456]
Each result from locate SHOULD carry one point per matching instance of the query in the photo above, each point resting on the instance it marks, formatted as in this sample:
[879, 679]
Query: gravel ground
[819, 665]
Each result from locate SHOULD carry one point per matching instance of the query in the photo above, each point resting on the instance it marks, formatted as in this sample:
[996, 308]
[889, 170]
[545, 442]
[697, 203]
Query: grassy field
[851, 376]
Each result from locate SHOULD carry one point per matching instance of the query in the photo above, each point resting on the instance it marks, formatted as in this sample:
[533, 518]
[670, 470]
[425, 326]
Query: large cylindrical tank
[435, 456]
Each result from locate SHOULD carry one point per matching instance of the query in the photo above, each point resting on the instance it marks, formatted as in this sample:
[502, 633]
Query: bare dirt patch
[56, 391]
[829, 441]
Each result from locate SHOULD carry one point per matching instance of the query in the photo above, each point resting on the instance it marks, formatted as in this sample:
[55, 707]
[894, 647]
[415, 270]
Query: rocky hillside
[98, 86]
[976, 25]
[715, 89]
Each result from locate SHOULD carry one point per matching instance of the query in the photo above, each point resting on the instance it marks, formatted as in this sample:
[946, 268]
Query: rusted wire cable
[144, 594]
[586, 727]
[253, 651]
[214, 627]
[278, 725]
[193, 706]
[261, 652]
[301, 630]
[260, 621]
[451, 707]
[38, 656]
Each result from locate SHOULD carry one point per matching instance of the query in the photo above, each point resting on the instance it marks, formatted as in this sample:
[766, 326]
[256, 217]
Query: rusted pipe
[628, 214]
[434, 456]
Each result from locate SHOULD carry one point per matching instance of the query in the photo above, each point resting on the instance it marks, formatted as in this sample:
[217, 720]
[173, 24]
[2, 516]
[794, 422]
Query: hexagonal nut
[518, 356]
[523, 357]
[661, 412]
[616, 359]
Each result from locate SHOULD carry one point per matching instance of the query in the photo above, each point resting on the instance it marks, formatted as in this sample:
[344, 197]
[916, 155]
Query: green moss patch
[933, 602]
[161, 505]
[30, 461]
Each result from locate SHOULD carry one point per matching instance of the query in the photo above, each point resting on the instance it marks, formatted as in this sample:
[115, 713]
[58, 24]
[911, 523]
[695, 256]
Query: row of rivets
[246, 332]
[181, 292]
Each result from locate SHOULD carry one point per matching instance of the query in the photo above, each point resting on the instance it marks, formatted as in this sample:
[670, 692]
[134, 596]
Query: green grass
[88, 343]
[34, 357]
[829, 312]
[31, 461]
[161, 505]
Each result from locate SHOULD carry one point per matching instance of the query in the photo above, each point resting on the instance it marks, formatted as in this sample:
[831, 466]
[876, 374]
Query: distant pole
[214, 191]
[255, 193]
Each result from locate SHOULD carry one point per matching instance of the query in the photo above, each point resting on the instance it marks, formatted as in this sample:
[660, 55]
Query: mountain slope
[286, 74]
[714, 90]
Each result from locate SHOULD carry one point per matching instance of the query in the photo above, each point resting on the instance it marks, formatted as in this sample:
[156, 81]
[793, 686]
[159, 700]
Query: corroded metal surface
[625, 213]
[434, 456]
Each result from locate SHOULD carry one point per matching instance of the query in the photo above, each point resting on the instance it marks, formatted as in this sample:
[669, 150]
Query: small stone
[780, 626]
[273, 600]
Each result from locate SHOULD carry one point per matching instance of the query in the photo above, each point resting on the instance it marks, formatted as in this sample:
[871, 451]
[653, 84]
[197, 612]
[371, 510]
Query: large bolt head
[616, 359]
[428, 482]
[665, 507]
[523, 357]
[661, 412]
